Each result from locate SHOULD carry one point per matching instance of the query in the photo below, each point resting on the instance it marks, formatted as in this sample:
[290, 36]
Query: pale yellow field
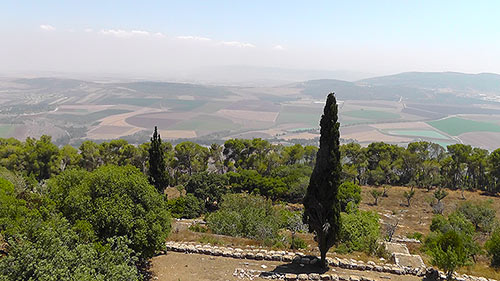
[177, 134]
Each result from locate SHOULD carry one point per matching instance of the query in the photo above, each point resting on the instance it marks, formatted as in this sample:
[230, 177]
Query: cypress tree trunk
[321, 206]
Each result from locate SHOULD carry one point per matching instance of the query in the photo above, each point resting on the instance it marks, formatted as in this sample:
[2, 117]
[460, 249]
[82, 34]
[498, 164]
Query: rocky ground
[181, 266]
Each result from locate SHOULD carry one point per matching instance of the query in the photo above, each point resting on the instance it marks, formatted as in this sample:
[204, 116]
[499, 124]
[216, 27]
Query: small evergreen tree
[157, 174]
[376, 194]
[321, 205]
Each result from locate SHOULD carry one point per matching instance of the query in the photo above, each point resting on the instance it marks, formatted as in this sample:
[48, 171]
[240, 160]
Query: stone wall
[255, 253]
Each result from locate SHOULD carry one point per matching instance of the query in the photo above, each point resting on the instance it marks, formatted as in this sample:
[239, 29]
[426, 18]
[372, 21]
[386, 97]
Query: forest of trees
[275, 171]
[99, 212]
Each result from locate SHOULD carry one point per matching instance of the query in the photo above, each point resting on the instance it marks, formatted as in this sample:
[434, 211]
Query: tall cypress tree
[157, 174]
[321, 206]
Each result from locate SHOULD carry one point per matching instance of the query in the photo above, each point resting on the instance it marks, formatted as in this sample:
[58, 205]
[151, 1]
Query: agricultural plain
[371, 110]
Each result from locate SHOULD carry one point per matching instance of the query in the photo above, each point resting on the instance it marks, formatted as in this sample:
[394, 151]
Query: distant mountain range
[482, 82]
[442, 87]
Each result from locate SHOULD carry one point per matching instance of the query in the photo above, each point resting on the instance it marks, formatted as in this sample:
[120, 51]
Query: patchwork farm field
[455, 126]
[372, 115]
[418, 133]
[288, 113]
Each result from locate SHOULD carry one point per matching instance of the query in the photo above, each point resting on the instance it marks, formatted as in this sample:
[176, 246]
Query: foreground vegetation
[99, 211]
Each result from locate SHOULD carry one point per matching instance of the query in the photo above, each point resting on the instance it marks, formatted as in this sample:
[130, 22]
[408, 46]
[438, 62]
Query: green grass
[206, 123]
[455, 126]
[371, 114]
[5, 130]
[418, 133]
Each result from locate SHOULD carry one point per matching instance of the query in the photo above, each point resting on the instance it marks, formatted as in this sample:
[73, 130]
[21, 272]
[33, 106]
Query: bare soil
[179, 266]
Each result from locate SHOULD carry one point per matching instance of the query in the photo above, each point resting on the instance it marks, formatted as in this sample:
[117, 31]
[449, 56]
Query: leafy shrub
[50, 250]
[244, 215]
[253, 182]
[375, 194]
[349, 192]
[207, 187]
[196, 227]
[360, 231]
[480, 214]
[451, 242]
[493, 247]
[448, 251]
[12, 210]
[187, 207]
[416, 235]
[207, 239]
[297, 243]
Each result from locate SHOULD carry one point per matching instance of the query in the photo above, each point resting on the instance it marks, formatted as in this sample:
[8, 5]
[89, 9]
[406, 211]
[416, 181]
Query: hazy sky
[171, 37]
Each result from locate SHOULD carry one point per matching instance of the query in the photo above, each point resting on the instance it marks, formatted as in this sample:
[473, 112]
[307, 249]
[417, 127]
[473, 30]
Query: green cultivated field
[5, 130]
[456, 126]
[303, 118]
[205, 123]
[418, 133]
[371, 114]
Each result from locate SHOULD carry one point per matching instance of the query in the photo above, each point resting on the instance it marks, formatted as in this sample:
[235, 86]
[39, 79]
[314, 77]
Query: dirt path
[180, 266]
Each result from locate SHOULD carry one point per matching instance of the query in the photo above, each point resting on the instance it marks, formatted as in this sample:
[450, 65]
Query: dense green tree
[321, 205]
[51, 250]
[187, 207]
[157, 173]
[248, 216]
[293, 154]
[480, 214]
[493, 247]
[208, 188]
[115, 201]
[216, 158]
[253, 182]
[348, 193]
[41, 158]
[376, 194]
[70, 158]
[449, 252]
[91, 158]
[466, 249]
[190, 157]
[354, 162]
[494, 167]
[12, 210]
[360, 231]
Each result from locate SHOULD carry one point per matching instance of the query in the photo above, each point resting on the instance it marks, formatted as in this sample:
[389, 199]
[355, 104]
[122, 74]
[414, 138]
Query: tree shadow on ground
[297, 268]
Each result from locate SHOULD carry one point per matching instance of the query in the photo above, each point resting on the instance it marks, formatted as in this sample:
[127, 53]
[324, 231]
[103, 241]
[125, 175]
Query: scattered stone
[290, 277]
[303, 276]
[314, 276]
[325, 277]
